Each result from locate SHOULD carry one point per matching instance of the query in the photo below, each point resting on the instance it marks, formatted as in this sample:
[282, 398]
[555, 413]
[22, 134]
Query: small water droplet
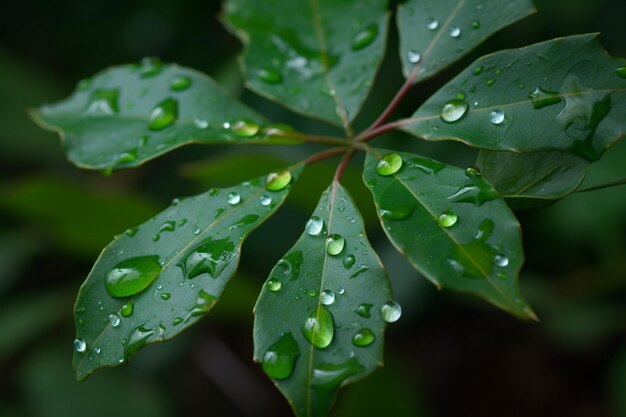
[414, 57]
[150, 67]
[364, 37]
[319, 328]
[114, 320]
[164, 114]
[168, 226]
[363, 310]
[196, 231]
[472, 172]
[127, 309]
[103, 102]
[245, 128]
[478, 70]
[447, 219]
[501, 260]
[432, 24]
[453, 110]
[265, 200]
[389, 164]
[621, 72]
[541, 98]
[280, 359]
[335, 244]
[131, 232]
[274, 285]
[314, 226]
[390, 311]
[341, 291]
[476, 24]
[277, 180]
[180, 82]
[327, 297]
[97, 350]
[201, 123]
[363, 337]
[166, 296]
[269, 76]
[79, 345]
[496, 117]
[348, 261]
[233, 199]
[455, 31]
[132, 276]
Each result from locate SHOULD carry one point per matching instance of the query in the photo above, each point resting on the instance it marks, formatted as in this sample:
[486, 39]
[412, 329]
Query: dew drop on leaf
[348, 261]
[114, 320]
[280, 359]
[363, 310]
[390, 311]
[201, 123]
[501, 260]
[210, 257]
[472, 172]
[274, 285]
[541, 98]
[476, 24]
[164, 114]
[180, 82]
[335, 244]
[447, 219]
[327, 297]
[363, 337]
[414, 57]
[233, 199]
[166, 296]
[132, 276]
[432, 24]
[79, 345]
[277, 180]
[319, 328]
[453, 110]
[490, 82]
[496, 117]
[269, 76]
[621, 72]
[265, 200]
[455, 31]
[137, 339]
[389, 164]
[127, 309]
[245, 128]
[364, 37]
[103, 102]
[314, 226]
[478, 70]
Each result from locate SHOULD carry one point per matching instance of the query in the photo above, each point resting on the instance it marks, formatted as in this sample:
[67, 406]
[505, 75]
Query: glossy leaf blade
[453, 228]
[183, 258]
[316, 57]
[436, 33]
[529, 180]
[129, 114]
[566, 94]
[308, 286]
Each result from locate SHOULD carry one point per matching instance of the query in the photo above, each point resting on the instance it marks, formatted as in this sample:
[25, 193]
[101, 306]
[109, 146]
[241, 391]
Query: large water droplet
[501, 260]
[314, 226]
[543, 98]
[363, 337]
[104, 101]
[274, 285]
[455, 31]
[280, 359]
[496, 117]
[132, 276]
[269, 76]
[277, 180]
[327, 297]
[137, 339]
[127, 309]
[478, 193]
[397, 213]
[389, 164]
[363, 310]
[621, 72]
[233, 199]
[211, 257]
[245, 128]
[365, 36]
[164, 114]
[114, 320]
[265, 200]
[150, 67]
[414, 57]
[335, 244]
[204, 303]
[432, 24]
[447, 219]
[390, 311]
[453, 110]
[319, 328]
[79, 345]
[180, 82]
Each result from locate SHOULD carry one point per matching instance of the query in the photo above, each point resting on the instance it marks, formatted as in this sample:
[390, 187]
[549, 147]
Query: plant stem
[324, 140]
[395, 102]
[605, 185]
[323, 155]
[343, 164]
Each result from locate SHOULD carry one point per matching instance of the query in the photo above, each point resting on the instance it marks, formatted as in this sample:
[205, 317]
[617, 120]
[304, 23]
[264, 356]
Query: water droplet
[390, 311]
[432, 24]
[168, 226]
[79, 345]
[453, 110]
[341, 291]
[131, 232]
[103, 102]
[335, 244]
[361, 269]
[472, 172]
[327, 297]
[496, 117]
[83, 85]
[348, 261]
[277, 180]
[389, 164]
[455, 31]
[265, 200]
[490, 82]
[196, 231]
[280, 359]
[364, 37]
[621, 72]
[245, 128]
[137, 339]
[363, 337]
[414, 57]
[476, 24]
[274, 285]
[363, 310]
[97, 350]
[211, 257]
[166, 296]
[397, 213]
[319, 328]
[269, 76]
[204, 303]
[164, 114]
[447, 219]
[127, 309]
[233, 199]
[201, 123]
[132, 276]
[114, 320]
[314, 226]
[541, 98]
[180, 82]
[477, 193]
[150, 67]
[501, 260]
[478, 70]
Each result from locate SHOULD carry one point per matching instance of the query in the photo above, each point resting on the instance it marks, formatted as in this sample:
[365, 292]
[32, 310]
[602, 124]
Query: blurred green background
[449, 356]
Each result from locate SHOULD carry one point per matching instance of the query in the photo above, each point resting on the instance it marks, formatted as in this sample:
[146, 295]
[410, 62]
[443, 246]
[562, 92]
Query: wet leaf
[452, 226]
[317, 321]
[317, 57]
[566, 94]
[156, 280]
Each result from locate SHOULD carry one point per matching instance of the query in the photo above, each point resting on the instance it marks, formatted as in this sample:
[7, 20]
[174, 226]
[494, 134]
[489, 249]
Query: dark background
[448, 356]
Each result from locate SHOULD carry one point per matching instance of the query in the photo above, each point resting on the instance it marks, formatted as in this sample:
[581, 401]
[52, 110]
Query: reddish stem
[343, 164]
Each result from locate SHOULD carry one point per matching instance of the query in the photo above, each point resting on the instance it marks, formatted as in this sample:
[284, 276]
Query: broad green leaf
[528, 180]
[564, 94]
[156, 280]
[317, 57]
[451, 225]
[318, 323]
[436, 33]
[127, 115]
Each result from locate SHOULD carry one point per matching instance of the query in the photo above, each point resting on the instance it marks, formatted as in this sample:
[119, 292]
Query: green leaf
[316, 57]
[564, 94]
[130, 114]
[314, 304]
[167, 273]
[451, 225]
[536, 179]
[436, 33]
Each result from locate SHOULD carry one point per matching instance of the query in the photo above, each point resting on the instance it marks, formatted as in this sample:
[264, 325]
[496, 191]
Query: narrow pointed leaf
[129, 114]
[156, 280]
[536, 179]
[436, 33]
[452, 226]
[317, 57]
[317, 321]
[565, 94]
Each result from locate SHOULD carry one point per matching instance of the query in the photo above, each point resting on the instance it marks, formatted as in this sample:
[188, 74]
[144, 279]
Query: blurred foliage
[446, 355]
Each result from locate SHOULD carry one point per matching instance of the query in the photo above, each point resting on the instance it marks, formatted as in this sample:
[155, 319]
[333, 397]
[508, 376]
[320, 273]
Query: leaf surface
[129, 114]
[344, 293]
[453, 227]
[564, 94]
[529, 180]
[436, 33]
[316, 57]
[156, 280]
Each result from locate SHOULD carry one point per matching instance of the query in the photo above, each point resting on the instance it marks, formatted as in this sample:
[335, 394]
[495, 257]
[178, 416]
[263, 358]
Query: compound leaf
[318, 321]
[156, 280]
[451, 225]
